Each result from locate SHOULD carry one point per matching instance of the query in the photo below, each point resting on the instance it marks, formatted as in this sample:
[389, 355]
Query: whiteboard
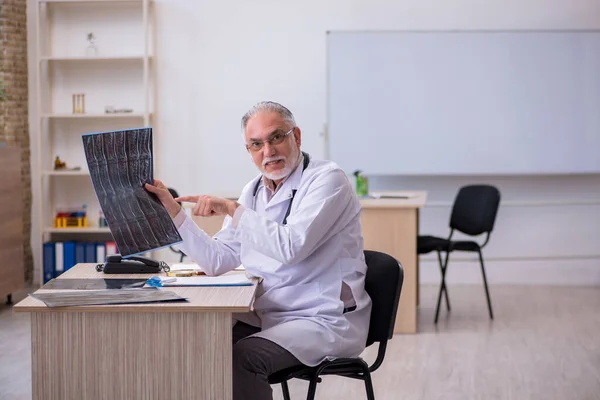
[455, 103]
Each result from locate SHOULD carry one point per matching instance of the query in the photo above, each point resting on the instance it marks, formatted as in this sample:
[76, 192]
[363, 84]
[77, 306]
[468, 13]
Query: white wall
[215, 59]
[547, 229]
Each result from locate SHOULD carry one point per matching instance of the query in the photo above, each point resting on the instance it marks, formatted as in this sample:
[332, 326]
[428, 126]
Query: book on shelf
[59, 257]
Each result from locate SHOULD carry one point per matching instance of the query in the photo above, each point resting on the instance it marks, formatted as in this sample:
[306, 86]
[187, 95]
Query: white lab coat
[302, 264]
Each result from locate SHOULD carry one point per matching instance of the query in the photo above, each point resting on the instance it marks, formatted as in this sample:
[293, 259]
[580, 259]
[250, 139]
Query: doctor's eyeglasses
[275, 139]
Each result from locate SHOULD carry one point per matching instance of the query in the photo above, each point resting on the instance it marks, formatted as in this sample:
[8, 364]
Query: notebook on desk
[93, 284]
[388, 196]
[103, 297]
[195, 267]
[204, 280]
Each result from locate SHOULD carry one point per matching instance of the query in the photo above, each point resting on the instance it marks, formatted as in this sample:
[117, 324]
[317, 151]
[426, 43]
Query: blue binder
[79, 252]
[49, 261]
[68, 255]
[90, 252]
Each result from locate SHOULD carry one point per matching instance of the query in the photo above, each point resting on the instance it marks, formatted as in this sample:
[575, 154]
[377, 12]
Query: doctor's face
[273, 144]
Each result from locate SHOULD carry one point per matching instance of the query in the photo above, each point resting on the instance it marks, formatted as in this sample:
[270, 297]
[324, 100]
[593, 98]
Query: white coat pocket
[295, 301]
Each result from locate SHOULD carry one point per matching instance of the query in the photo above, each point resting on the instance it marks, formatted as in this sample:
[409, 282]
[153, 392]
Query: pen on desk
[185, 273]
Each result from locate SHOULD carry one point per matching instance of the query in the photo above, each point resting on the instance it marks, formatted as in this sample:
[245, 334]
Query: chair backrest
[475, 208]
[383, 283]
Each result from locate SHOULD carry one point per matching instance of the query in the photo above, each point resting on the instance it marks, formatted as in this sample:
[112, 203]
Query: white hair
[269, 106]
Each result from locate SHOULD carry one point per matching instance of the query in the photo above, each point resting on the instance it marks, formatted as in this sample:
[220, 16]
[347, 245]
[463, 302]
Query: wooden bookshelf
[118, 74]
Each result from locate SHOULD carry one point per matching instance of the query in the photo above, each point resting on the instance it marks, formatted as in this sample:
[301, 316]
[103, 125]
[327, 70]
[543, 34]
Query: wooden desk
[390, 226]
[135, 351]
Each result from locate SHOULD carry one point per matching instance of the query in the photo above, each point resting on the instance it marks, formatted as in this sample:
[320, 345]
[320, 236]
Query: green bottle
[362, 184]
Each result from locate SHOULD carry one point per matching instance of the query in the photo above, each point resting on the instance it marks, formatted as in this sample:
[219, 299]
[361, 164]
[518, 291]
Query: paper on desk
[185, 266]
[392, 195]
[195, 267]
[221, 280]
[101, 297]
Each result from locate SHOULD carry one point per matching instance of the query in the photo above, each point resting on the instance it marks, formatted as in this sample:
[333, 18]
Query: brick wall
[14, 129]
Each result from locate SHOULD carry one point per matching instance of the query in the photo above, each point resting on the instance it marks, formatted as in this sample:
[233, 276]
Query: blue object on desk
[158, 281]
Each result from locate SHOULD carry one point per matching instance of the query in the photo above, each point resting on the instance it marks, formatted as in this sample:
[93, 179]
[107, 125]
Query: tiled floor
[15, 352]
[543, 344]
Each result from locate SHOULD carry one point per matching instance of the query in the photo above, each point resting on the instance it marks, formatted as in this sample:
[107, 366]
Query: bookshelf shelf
[77, 230]
[66, 173]
[139, 58]
[95, 116]
[89, 1]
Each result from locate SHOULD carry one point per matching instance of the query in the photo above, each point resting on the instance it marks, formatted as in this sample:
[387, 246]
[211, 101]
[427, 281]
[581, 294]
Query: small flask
[91, 50]
[101, 220]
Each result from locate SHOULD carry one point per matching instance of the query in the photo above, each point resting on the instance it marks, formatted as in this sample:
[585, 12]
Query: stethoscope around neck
[257, 185]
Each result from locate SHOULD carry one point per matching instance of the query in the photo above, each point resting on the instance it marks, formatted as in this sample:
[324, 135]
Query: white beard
[277, 175]
[290, 164]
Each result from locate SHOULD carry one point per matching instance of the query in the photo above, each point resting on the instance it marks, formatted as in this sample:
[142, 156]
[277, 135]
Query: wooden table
[135, 351]
[390, 226]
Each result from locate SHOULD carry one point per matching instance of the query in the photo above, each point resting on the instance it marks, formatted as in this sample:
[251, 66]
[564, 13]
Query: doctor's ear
[298, 136]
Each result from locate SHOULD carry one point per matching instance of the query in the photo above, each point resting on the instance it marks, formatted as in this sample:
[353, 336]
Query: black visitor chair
[473, 213]
[383, 283]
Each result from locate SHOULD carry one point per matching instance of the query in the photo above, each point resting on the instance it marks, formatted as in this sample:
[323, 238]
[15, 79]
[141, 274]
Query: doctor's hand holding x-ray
[297, 226]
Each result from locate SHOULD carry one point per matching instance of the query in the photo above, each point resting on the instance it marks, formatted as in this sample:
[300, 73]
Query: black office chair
[473, 213]
[182, 255]
[383, 283]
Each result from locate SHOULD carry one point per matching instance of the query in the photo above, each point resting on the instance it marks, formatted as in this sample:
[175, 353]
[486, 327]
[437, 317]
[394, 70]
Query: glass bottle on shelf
[91, 50]
[102, 220]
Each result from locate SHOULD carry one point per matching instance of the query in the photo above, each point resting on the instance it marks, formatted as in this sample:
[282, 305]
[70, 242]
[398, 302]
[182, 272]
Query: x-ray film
[120, 163]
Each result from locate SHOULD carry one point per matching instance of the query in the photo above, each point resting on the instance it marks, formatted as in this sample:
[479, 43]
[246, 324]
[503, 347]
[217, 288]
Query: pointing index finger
[188, 199]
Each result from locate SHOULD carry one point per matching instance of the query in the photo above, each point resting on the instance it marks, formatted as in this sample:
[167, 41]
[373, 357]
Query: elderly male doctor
[296, 226]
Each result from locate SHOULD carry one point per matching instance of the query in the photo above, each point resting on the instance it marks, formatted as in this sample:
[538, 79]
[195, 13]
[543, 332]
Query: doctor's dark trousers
[254, 359]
